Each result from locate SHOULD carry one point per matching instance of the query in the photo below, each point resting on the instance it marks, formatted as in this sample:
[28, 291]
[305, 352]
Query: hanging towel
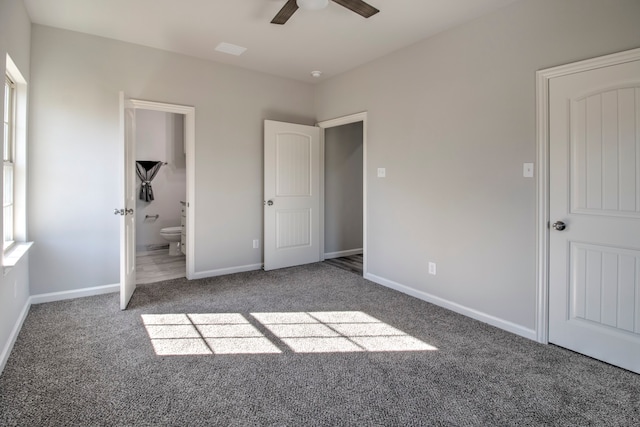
[147, 170]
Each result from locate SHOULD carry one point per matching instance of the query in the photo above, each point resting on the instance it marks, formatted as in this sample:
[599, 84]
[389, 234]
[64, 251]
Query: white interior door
[127, 225]
[594, 261]
[291, 194]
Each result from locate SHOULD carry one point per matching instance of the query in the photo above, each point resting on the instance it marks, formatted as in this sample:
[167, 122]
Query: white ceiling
[332, 40]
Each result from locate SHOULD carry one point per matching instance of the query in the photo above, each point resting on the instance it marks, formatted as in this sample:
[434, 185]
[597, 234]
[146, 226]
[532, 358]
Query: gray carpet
[83, 362]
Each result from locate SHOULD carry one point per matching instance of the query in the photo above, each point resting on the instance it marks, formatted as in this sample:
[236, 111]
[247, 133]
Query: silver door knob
[118, 211]
[270, 203]
[128, 211]
[559, 225]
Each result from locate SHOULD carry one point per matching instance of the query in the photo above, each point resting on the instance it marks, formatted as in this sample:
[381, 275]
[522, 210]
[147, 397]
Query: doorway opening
[162, 192]
[294, 193]
[183, 121]
[343, 192]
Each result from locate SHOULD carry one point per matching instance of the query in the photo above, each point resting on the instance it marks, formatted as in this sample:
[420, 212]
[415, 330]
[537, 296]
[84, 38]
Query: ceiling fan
[358, 6]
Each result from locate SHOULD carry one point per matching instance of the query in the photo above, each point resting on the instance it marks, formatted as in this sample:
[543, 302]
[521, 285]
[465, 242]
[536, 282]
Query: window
[8, 161]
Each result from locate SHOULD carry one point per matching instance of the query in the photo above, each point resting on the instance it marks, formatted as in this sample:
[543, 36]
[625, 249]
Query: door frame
[339, 121]
[189, 147]
[543, 78]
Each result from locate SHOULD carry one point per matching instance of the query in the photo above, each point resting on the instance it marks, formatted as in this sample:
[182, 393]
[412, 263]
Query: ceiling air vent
[231, 49]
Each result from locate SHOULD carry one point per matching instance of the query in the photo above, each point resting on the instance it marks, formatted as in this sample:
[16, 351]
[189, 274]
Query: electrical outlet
[382, 172]
[256, 243]
[432, 268]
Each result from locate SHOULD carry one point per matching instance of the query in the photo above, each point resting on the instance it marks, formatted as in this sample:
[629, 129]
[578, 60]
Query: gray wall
[452, 118]
[75, 145]
[343, 188]
[160, 137]
[15, 39]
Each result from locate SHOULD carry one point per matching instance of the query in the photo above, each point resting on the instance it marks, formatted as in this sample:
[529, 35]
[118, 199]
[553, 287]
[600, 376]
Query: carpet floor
[330, 348]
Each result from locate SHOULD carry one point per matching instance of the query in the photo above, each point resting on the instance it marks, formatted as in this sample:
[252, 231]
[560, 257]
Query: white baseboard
[6, 351]
[466, 311]
[76, 293]
[225, 271]
[340, 254]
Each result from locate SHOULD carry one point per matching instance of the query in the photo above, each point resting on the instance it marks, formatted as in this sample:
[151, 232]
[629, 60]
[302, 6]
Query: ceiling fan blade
[285, 13]
[358, 6]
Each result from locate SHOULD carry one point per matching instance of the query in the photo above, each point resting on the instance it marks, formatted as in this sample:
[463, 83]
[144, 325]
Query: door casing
[345, 120]
[189, 141]
[543, 78]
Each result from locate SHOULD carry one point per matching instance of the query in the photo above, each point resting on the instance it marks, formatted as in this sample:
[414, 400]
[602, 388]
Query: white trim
[76, 293]
[161, 106]
[190, 144]
[321, 191]
[466, 311]
[6, 351]
[20, 150]
[340, 254]
[345, 120]
[542, 209]
[13, 255]
[542, 192]
[225, 271]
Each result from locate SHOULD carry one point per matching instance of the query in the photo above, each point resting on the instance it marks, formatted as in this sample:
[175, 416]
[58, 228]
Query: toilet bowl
[172, 235]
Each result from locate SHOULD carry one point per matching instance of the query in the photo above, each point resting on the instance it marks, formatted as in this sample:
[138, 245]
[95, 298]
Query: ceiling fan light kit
[312, 4]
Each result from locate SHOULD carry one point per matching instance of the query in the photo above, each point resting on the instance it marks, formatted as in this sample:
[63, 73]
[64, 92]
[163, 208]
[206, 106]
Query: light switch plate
[382, 172]
[527, 170]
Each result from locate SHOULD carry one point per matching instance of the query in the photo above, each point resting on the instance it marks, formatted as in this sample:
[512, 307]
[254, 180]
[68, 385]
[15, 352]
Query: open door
[127, 220]
[291, 194]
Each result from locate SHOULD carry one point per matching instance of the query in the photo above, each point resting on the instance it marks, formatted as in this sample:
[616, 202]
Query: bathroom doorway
[161, 196]
[165, 134]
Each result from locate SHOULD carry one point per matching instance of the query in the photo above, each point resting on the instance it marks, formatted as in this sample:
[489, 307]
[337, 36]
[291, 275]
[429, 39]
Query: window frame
[8, 167]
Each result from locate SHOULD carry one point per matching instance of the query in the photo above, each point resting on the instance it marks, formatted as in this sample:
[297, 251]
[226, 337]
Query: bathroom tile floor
[157, 265]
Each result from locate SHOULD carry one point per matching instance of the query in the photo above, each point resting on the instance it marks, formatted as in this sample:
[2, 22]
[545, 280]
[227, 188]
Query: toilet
[173, 236]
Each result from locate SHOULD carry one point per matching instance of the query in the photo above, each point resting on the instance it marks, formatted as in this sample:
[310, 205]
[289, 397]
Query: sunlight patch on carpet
[337, 331]
[300, 332]
[208, 333]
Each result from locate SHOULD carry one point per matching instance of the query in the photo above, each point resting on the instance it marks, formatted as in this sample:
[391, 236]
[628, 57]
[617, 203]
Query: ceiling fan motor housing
[360, 7]
[312, 4]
